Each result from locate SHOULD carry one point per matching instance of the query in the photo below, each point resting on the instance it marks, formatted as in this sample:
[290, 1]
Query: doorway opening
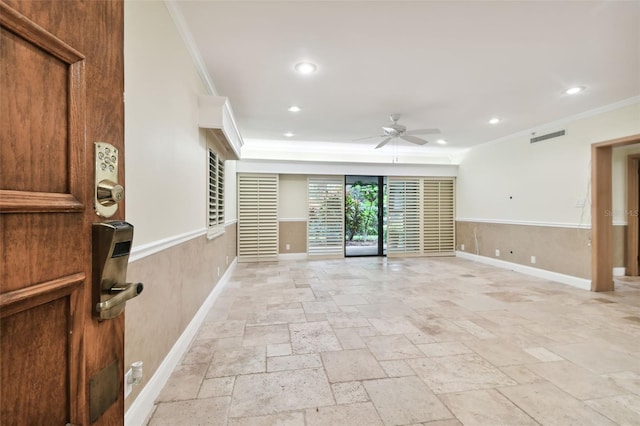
[365, 216]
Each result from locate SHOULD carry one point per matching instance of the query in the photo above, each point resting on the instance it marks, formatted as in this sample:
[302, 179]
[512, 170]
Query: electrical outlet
[462, 247]
[218, 271]
[580, 203]
[497, 252]
[128, 385]
[533, 259]
[227, 260]
[288, 247]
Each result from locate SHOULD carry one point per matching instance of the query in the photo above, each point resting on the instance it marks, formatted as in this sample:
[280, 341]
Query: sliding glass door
[365, 230]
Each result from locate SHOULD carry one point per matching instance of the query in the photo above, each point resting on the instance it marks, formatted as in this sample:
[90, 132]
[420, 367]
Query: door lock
[107, 192]
[111, 248]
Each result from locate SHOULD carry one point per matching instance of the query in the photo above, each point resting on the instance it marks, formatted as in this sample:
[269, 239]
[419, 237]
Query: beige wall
[293, 233]
[562, 250]
[177, 281]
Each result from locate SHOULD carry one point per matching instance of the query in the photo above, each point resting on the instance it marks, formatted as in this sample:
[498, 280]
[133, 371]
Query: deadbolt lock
[108, 192]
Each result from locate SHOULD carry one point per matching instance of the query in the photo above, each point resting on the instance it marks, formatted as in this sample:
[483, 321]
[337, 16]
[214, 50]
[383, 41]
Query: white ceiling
[446, 64]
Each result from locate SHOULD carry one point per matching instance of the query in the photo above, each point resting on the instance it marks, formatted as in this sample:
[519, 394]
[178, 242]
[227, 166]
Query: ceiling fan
[396, 130]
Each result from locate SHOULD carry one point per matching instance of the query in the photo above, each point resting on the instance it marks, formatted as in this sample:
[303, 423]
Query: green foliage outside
[361, 212]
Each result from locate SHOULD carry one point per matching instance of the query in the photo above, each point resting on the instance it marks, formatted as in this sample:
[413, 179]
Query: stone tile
[221, 329]
[353, 414]
[501, 352]
[349, 392]
[293, 362]
[449, 422]
[265, 335]
[351, 365]
[211, 411]
[284, 316]
[313, 337]
[622, 409]
[184, 383]
[231, 362]
[282, 419]
[458, 373]
[597, 357]
[389, 326]
[279, 349]
[316, 317]
[485, 407]
[270, 393]
[474, 329]
[543, 354]
[549, 405]
[629, 380]
[386, 348]
[320, 307]
[521, 374]
[347, 320]
[218, 386]
[575, 380]
[385, 310]
[349, 338]
[397, 368]
[349, 299]
[405, 400]
[444, 349]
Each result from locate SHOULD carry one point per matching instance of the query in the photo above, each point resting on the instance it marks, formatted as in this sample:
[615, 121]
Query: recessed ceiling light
[441, 142]
[288, 134]
[574, 90]
[294, 108]
[305, 67]
[494, 120]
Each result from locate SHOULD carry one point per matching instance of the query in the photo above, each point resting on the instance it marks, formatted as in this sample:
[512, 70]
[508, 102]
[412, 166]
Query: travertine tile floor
[435, 341]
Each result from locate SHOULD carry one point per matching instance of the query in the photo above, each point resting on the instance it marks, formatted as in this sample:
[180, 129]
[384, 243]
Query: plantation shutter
[216, 192]
[257, 217]
[438, 216]
[325, 227]
[421, 216]
[403, 216]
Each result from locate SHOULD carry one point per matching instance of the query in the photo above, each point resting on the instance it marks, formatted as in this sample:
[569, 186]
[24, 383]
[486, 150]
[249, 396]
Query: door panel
[61, 79]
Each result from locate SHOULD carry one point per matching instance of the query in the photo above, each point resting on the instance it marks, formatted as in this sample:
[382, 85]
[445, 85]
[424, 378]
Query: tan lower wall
[177, 281]
[293, 233]
[563, 250]
[619, 245]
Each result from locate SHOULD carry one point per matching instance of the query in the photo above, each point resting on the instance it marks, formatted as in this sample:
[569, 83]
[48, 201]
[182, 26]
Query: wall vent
[547, 136]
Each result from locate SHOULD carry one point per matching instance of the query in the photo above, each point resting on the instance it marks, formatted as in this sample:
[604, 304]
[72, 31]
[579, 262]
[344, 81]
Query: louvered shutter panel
[220, 192]
[325, 227]
[257, 217]
[403, 216]
[438, 216]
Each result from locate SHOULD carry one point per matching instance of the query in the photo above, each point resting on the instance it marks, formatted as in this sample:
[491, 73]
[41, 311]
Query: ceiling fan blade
[423, 132]
[369, 137]
[383, 143]
[413, 139]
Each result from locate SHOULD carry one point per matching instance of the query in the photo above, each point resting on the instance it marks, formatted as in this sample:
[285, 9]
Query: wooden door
[61, 90]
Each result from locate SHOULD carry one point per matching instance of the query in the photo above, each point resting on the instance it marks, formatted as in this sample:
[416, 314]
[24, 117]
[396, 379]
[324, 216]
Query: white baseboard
[581, 283]
[619, 271]
[142, 407]
[293, 256]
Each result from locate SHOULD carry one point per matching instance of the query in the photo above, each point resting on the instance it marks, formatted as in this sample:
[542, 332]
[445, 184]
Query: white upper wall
[165, 151]
[512, 180]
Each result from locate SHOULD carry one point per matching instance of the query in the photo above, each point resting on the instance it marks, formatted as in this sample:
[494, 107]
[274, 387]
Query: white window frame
[215, 194]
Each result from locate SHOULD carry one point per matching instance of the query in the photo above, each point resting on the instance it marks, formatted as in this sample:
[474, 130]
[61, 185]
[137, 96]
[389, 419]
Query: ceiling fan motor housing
[394, 129]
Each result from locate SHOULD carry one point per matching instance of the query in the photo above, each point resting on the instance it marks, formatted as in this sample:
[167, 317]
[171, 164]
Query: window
[215, 222]
[257, 217]
[325, 227]
[421, 219]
